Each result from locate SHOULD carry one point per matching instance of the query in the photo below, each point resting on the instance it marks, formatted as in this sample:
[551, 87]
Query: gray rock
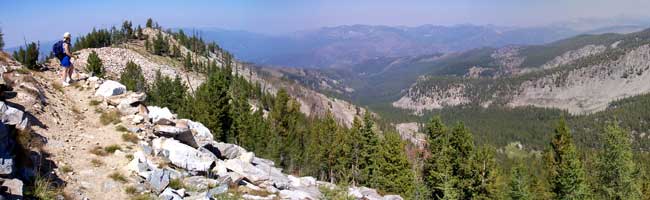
[295, 195]
[182, 155]
[200, 183]
[392, 197]
[6, 166]
[129, 98]
[364, 193]
[223, 188]
[254, 197]
[181, 134]
[14, 188]
[140, 165]
[171, 194]
[228, 151]
[13, 116]
[201, 134]
[159, 115]
[110, 88]
[158, 180]
[275, 176]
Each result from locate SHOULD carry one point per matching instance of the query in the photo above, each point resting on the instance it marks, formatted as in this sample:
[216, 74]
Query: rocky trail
[95, 140]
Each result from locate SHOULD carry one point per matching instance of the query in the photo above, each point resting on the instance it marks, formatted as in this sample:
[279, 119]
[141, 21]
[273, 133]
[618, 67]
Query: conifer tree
[149, 23]
[355, 153]
[368, 148]
[28, 56]
[210, 106]
[95, 66]
[484, 174]
[393, 173]
[567, 175]
[187, 62]
[167, 92]
[616, 169]
[241, 110]
[342, 153]
[2, 41]
[437, 168]
[519, 185]
[133, 78]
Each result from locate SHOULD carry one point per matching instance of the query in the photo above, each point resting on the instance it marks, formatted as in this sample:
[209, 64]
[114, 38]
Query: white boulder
[182, 155]
[160, 115]
[110, 88]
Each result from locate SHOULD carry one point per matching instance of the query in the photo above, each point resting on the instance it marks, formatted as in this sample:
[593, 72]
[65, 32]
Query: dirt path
[72, 130]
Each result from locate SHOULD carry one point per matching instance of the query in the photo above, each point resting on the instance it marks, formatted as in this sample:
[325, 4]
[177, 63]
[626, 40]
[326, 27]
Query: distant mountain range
[343, 46]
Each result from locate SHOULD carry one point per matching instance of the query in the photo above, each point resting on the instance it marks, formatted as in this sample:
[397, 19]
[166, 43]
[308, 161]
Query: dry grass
[98, 151]
[97, 163]
[44, 189]
[121, 128]
[58, 87]
[94, 102]
[142, 197]
[130, 137]
[130, 190]
[66, 169]
[116, 176]
[176, 184]
[112, 148]
[111, 117]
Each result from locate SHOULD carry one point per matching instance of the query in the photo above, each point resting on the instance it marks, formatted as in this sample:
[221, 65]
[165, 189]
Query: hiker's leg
[64, 73]
[71, 68]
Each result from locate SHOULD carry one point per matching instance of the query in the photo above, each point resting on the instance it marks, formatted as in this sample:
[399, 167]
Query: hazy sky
[47, 20]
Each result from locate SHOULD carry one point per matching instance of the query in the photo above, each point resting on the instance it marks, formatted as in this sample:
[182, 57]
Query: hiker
[64, 54]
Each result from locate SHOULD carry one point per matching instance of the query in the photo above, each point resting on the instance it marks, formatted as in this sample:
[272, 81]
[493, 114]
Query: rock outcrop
[173, 150]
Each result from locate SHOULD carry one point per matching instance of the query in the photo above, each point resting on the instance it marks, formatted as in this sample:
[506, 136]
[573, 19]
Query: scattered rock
[182, 155]
[181, 134]
[110, 88]
[158, 179]
[13, 188]
[295, 195]
[200, 183]
[160, 116]
[223, 188]
[171, 194]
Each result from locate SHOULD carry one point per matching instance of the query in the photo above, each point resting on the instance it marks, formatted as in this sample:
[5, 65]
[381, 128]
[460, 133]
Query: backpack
[58, 50]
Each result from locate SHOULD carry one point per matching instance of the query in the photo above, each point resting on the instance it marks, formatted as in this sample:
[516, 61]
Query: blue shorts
[65, 62]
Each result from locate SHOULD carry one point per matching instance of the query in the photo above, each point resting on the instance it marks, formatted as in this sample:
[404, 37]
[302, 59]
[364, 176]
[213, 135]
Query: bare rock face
[590, 89]
[182, 155]
[434, 98]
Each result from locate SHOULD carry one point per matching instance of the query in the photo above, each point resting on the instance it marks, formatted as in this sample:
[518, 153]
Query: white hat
[66, 35]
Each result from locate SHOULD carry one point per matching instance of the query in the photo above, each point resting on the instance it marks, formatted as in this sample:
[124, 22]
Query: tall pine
[518, 188]
[209, 105]
[567, 175]
[368, 147]
[393, 173]
[616, 169]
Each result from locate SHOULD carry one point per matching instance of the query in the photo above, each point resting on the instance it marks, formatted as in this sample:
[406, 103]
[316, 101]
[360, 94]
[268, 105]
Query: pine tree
[616, 169]
[461, 156]
[368, 147]
[484, 174]
[187, 63]
[209, 105]
[241, 110]
[567, 176]
[133, 78]
[160, 45]
[95, 66]
[519, 185]
[393, 173]
[2, 41]
[355, 153]
[167, 92]
[28, 56]
[149, 23]
[342, 151]
[437, 168]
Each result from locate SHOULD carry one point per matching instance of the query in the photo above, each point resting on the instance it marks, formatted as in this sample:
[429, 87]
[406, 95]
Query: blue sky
[47, 20]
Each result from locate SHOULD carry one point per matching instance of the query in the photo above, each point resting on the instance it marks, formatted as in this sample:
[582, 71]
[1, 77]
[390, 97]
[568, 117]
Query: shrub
[110, 117]
[130, 137]
[116, 176]
[28, 56]
[112, 148]
[98, 151]
[132, 77]
[167, 92]
[95, 66]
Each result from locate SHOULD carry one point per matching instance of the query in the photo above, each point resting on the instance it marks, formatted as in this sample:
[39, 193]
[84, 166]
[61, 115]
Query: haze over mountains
[341, 46]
